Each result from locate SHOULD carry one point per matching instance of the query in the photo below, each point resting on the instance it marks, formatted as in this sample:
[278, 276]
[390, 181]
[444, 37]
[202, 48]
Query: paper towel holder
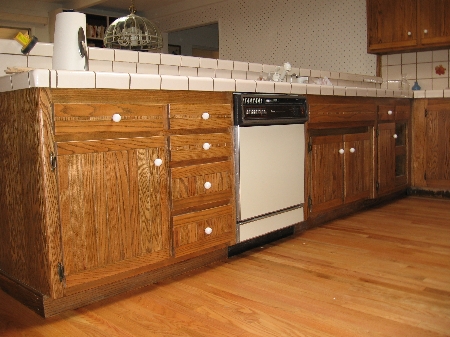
[82, 47]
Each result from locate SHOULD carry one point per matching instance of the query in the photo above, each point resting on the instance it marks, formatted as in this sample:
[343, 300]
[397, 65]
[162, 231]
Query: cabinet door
[358, 166]
[386, 157]
[326, 172]
[437, 174]
[113, 207]
[391, 24]
[434, 22]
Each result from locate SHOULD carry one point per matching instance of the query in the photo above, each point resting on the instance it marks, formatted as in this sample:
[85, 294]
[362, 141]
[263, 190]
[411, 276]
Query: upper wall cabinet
[407, 25]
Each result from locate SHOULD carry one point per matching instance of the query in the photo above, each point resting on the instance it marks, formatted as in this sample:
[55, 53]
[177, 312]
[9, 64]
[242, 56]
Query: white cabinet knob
[116, 118]
[395, 136]
[208, 230]
[206, 146]
[158, 162]
[205, 115]
[425, 31]
[352, 150]
[409, 33]
[207, 185]
[390, 112]
[341, 151]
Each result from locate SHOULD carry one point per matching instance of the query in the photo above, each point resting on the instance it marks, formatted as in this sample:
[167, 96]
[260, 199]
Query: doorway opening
[201, 41]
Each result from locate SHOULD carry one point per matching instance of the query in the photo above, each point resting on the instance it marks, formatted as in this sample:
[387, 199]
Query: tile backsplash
[429, 68]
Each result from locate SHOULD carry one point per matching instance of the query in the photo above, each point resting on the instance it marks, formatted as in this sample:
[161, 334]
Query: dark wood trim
[46, 306]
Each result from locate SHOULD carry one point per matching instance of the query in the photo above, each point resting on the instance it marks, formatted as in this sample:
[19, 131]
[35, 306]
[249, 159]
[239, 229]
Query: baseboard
[46, 306]
[419, 192]
[260, 241]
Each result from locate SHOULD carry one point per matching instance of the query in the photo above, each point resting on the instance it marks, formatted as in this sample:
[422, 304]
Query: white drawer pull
[390, 112]
[116, 118]
[206, 146]
[341, 151]
[395, 136]
[425, 31]
[205, 115]
[158, 162]
[409, 33]
[208, 230]
[352, 150]
[207, 185]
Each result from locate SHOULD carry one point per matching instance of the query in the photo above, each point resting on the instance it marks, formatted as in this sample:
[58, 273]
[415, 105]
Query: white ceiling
[152, 8]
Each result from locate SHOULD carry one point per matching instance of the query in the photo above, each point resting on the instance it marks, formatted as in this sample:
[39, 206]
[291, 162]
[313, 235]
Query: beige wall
[315, 34]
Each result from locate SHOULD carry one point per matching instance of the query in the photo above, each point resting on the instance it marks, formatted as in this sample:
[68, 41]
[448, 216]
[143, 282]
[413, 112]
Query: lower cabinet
[113, 207]
[393, 134]
[201, 178]
[431, 144]
[340, 170]
[108, 192]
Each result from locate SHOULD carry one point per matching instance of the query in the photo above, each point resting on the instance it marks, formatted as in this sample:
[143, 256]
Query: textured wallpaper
[314, 34]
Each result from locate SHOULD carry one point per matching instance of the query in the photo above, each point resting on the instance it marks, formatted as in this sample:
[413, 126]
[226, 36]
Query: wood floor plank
[380, 272]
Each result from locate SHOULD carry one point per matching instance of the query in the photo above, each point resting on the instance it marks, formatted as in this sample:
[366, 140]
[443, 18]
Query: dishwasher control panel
[269, 109]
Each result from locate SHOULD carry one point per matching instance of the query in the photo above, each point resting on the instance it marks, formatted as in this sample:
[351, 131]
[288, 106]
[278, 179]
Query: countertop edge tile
[145, 81]
[39, 78]
[172, 82]
[6, 83]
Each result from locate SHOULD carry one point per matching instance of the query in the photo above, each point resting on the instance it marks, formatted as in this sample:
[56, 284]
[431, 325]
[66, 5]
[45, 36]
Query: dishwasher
[269, 153]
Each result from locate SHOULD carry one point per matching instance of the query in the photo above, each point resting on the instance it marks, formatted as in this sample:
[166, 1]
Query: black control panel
[252, 109]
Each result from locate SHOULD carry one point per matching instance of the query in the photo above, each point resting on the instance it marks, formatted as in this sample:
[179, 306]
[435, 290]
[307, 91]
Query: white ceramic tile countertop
[89, 79]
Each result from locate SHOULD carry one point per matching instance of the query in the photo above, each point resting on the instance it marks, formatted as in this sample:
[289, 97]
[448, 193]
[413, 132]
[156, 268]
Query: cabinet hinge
[309, 203]
[426, 112]
[377, 185]
[378, 132]
[52, 161]
[61, 272]
[425, 176]
[309, 147]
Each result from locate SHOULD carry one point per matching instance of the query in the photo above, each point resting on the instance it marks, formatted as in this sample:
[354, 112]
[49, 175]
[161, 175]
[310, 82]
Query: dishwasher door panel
[271, 168]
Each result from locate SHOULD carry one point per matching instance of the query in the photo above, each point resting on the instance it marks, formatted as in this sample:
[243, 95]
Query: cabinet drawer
[201, 146]
[200, 186]
[200, 116]
[99, 121]
[386, 113]
[195, 231]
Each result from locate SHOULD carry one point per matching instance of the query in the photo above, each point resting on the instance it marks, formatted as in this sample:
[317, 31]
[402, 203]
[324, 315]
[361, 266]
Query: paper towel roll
[66, 51]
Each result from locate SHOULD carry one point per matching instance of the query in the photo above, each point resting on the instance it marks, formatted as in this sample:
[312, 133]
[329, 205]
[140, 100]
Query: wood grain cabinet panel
[431, 142]
[201, 185]
[407, 25]
[113, 206]
[210, 146]
[391, 25]
[340, 171]
[200, 116]
[196, 231]
[393, 133]
[82, 121]
[434, 22]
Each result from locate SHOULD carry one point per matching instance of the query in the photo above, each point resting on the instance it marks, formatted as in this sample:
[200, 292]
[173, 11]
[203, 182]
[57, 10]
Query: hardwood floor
[382, 272]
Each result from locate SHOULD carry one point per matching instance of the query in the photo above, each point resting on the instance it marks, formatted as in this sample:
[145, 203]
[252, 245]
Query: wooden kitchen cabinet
[202, 179]
[431, 145]
[340, 169]
[434, 23]
[407, 25]
[391, 25]
[340, 160]
[393, 134]
[88, 181]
